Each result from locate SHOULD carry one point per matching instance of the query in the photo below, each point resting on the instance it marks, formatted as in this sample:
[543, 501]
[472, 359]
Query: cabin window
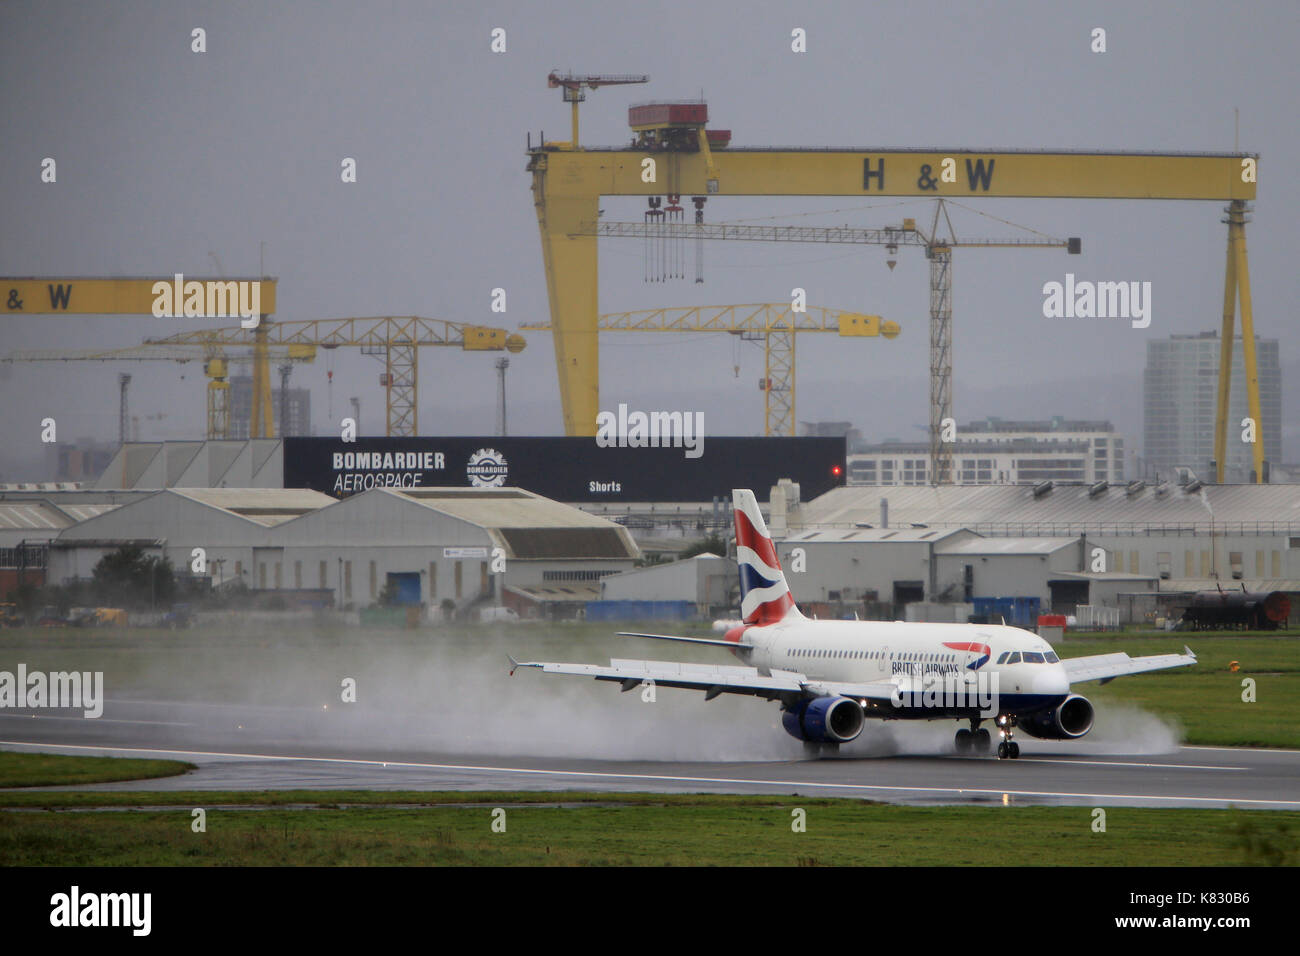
[1052, 658]
[1014, 658]
[1002, 658]
[1033, 658]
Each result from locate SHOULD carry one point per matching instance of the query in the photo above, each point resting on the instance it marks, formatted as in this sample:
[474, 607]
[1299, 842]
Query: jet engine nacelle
[825, 720]
[1071, 718]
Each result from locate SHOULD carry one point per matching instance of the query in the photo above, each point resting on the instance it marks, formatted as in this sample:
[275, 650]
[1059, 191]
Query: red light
[835, 470]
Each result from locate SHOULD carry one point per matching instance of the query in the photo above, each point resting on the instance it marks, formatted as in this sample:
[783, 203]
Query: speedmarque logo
[74, 908]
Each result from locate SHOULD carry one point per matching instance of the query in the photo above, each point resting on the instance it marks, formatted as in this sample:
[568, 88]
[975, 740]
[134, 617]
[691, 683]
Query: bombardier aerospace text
[831, 675]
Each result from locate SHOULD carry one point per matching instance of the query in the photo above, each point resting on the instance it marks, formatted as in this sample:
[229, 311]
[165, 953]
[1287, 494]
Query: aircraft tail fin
[765, 596]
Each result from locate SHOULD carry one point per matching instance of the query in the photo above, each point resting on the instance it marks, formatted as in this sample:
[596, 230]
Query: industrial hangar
[1142, 549]
[427, 546]
[1119, 553]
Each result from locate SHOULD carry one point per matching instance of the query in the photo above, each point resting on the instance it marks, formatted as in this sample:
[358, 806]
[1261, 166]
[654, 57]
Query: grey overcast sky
[170, 161]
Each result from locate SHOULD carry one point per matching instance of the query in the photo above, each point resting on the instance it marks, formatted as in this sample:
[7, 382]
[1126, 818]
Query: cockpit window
[1033, 658]
[1052, 658]
[1002, 658]
[1014, 658]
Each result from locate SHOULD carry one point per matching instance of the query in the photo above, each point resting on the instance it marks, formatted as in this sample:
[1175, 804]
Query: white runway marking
[594, 774]
[98, 720]
[1029, 758]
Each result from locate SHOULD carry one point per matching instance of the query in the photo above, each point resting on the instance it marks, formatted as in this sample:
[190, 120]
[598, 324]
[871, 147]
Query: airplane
[830, 676]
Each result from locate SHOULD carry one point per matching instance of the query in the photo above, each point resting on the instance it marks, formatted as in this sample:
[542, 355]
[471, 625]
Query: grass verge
[1206, 699]
[569, 829]
[50, 770]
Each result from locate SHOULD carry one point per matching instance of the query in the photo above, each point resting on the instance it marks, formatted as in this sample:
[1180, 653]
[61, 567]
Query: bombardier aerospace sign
[565, 469]
[362, 470]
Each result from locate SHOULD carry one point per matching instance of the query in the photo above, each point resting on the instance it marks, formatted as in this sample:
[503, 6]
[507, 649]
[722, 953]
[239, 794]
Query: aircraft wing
[1106, 667]
[713, 679]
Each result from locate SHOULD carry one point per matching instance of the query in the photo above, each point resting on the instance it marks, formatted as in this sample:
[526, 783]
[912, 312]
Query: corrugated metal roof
[896, 535]
[567, 592]
[529, 525]
[1066, 510]
[265, 506]
[502, 508]
[83, 511]
[1008, 546]
[565, 543]
[32, 515]
[40, 486]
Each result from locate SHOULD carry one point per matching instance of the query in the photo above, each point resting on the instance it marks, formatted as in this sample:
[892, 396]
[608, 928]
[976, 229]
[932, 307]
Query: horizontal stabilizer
[685, 640]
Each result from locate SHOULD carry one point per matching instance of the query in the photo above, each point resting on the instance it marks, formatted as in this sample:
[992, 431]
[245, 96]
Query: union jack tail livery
[765, 596]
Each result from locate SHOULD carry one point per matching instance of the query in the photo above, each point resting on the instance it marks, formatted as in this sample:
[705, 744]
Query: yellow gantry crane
[1236, 284]
[775, 324]
[672, 156]
[215, 358]
[396, 338]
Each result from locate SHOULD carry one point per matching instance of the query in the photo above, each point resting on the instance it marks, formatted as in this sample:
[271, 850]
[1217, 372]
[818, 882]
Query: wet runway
[269, 748]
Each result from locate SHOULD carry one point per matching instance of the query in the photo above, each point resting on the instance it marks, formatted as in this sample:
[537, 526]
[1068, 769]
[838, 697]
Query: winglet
[1189, 652]
[513, 664]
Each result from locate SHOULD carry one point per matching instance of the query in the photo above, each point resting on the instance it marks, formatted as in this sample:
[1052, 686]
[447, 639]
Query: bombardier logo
[487, 468]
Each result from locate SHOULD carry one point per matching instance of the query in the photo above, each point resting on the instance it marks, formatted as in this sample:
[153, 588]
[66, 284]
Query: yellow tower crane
[170, 297]
[215, 358]
[575, 86]
[775, 324]
[568, 184]
[396, 338]
[938, 247]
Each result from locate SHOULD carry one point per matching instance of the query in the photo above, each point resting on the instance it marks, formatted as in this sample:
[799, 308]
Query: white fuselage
[1028, 670]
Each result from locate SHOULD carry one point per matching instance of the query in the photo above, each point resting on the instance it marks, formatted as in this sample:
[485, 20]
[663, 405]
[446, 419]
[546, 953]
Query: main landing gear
[1008, 748]
[976, 740]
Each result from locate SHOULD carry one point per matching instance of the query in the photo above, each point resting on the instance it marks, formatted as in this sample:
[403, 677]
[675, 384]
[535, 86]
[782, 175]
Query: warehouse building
[233, 526]
[465, 545]
[1067, 544]
[880, 569]
[704, 586]
[32, 514]
[418, 547]
[1002, 567]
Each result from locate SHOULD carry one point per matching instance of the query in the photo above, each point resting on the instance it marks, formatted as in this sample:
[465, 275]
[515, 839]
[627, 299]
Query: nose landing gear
[1008, 748]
